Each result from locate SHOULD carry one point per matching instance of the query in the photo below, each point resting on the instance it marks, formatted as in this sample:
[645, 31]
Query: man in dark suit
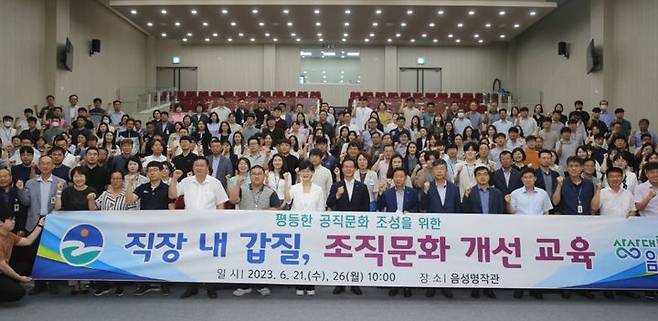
[164, 127]
[220, 165]
[507, 178]
[546, 177]
[483, 199]
[401, 199]
[348, 195]
[440, 196]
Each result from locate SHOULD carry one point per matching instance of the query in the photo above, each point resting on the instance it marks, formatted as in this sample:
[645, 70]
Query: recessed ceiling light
[285, 11]
[480, 41]
[371, 35]
[133, 11]
[346, 24]
[293, 34]
[298, 39]
[378, 11]
[424, 35]
[163, 11]
[289, 23]
[470, 13]
[320, 39]
[319, 34]
[375, 24]
[206, 40]
[410, 12]
[346, 35]
[224, 11]
[150, 24]
[516, 25]
[240, 34]
[348, 11]
[275, 39]
[261, 24]
[215, 34]
[389, 40]
[459, 25]
[488, 25]
[163, 34]
[458, 40]
[532, 13]
[267, 34]
[450, 35]
[343, 39]
[205, 24]
[431, 24]
[184, 39]
[412, 40]
[189, 34]
[435, 40]
[317, 24]
[252, 39]
[233, 24]
[403, 24]
[193, 11]
[397, 35]
[177, 24]
[476, 36]
[440, 12]
[366, 40]
[501, 13]
[316, 11]
[502, 36]
[229, 39]
[254, 11]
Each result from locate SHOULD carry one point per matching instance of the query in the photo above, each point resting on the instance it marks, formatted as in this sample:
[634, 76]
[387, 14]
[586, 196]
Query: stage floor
[283, 305]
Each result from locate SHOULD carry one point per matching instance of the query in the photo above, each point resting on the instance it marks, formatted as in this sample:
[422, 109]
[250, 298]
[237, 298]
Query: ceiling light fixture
[532, 13]
[516, 25]
[348, 11]
[389, 40]
[346, 24]
[254, 11]
[371, 35]
[366, 40]
[435, 40]
[189, 34]
[412, 40]
[215, 34]
[252, 39]
[205, 24]
[403, 24]
[316, 11]
[450, 35]
[488, 25]
[224, 11]
[431, 25]
[346, 35]
[470, 13]
[240, 34]
[150, 24]
[476, 36]
[285, 11]
[233, 24]
[193, 11]
[424, 35]
[177, 24]
[410, 12]
[184, 39]
[440, 12]
[317, 24]
[480, 41]
[261, 24]
[458, 40]
[375, 24]
[163, 11]
[267, 35]
[293, 34]
[459, 25]
[501, 13]
[229, 39]
[289, 23]
[133, 11]
[378, 11]
[397, 35]
[206, 40]
[343, 39]
[502, 36]
[275, 39]
[163, 34]
[298, 39]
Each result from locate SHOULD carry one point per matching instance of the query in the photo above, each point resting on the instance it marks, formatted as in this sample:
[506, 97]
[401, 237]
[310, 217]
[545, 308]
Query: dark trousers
[10, 289]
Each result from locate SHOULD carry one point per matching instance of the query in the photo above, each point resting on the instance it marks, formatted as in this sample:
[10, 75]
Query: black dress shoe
[430, 292]
[53, 289]
[490, 294]
[537, 294]
[190, 291]
[609, 294]
[586, 294]
[338, 290]
[566, 294]
[406, 292]
[650, 295]
[447, 293]
[475, 294]
[356, 290]
[629, 294]
[518, 294]
[212, 294]
[393, 292]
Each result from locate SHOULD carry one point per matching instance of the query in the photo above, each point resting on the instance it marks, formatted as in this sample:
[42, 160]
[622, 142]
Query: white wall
[540, 72]
[120, 68]
[22, 55]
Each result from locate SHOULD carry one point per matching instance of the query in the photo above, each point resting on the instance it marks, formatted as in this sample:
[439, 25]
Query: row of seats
[248, 94]
[405, 95]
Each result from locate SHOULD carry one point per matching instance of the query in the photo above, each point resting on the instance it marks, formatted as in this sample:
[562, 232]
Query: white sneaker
[264, 291]
[310, 292]
[241, 292]
[299, 292]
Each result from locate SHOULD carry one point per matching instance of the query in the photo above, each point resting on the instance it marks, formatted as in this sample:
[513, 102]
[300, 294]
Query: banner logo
[81, 245]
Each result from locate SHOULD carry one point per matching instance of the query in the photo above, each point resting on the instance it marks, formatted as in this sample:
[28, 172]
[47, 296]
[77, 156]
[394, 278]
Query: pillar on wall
[269, 67]
[57, 30]
[600, 25]
[391, 68]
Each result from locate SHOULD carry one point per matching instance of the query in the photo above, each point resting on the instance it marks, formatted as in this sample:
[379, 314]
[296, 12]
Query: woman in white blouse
[306, 196]
[278, 178]
[368, 177]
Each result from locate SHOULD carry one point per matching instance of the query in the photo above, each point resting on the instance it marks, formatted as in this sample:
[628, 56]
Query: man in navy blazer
[507, 178]
[483, 199]
[389, 200]
[546, 177]
[440, 196]
[351, 195]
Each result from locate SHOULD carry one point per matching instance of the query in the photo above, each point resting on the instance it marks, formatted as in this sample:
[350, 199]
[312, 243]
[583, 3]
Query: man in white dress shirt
[528, 200]
[614, 201]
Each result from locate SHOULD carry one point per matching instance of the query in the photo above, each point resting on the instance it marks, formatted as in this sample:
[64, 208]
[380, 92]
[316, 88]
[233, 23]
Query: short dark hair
[315, 152]
[257, 167]
[575, 159]
[614, 170]
[79, 170]
[503, 153]
[650, 166]
[399, 169]
[545, 151]
[26, 150]
[156, 164]
[439, 162]
[481, 168]
[305, 164]
[528, 170]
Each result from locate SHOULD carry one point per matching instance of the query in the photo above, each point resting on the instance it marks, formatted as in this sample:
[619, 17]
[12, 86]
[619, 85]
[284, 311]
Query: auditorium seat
[215, 94]
[393, 95]
[204, 94]
[455, 96]
[190, 94]
[229, 94]
[380, 94]
[241, 94]
[367, 94]
[430, 95]
[278, 94]
[316, 94]
[418, 95]
[355, 94]
[252, 94]
[405, 95]
[467, 96]
[479, 97]
[442, 96]
[290, 94]
[302, 94]
[266, 94]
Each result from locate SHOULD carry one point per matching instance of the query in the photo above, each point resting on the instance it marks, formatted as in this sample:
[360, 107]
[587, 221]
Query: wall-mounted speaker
[563, 49]
[95, 46]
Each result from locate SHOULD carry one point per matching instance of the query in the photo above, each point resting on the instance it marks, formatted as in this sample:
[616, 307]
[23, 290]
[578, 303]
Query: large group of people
[258, 156]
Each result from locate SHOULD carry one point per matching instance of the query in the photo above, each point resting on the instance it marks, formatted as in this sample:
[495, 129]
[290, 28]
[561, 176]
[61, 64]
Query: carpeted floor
[285, 306]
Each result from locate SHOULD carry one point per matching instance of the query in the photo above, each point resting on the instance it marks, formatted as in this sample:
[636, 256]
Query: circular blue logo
[81, 245]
